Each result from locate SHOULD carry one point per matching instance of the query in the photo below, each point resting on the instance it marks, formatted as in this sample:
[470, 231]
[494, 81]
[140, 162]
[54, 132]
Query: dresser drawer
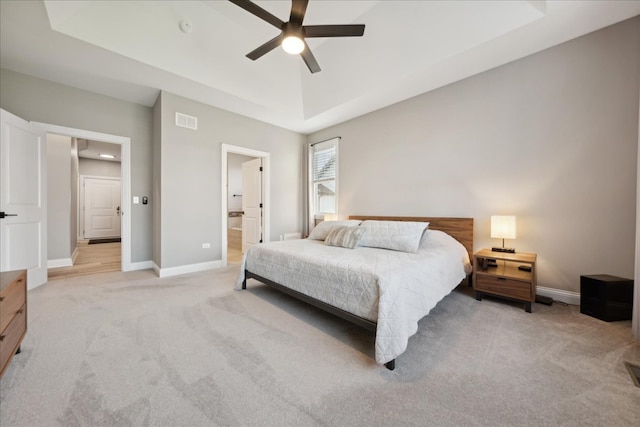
[12, 336]
[505, 287]
[12, 297]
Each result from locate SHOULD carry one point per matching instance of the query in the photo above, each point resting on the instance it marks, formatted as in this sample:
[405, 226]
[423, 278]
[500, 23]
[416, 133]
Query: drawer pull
[1, 299]
[2, 337]
[502, 278]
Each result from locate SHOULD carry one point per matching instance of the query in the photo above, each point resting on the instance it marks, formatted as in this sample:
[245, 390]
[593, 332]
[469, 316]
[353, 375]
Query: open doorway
[85, 148]
[84, 222]
[237, 206]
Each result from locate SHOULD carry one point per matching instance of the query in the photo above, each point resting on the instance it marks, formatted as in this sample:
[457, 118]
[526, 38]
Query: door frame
[125, 176]
[81, 202]
[266, 193]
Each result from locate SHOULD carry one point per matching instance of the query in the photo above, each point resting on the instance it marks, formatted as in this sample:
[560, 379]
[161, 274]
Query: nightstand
[498, 273]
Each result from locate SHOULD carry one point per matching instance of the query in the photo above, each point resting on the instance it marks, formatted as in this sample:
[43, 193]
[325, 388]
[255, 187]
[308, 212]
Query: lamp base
[509, 250]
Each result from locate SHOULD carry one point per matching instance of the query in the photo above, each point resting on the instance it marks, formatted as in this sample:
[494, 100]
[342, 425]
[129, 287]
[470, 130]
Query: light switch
[136, 200]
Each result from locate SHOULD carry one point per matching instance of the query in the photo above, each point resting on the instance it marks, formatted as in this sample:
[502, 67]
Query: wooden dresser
[13, 314]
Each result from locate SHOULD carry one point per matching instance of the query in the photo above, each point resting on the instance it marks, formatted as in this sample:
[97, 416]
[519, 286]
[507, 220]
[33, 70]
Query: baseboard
[62, 262]
[142, 265]
[186, 269]
[569, 297]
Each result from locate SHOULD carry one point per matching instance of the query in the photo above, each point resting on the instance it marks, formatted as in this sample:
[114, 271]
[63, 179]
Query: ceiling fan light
[293, 45]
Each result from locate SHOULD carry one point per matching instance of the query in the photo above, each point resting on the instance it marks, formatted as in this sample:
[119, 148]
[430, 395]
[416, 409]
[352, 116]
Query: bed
[383, 290]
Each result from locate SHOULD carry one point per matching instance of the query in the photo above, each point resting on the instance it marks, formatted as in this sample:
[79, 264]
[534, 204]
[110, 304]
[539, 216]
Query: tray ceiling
[133, 49]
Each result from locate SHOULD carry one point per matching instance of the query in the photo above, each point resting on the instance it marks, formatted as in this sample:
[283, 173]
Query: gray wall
[191, 177]
[103, 168]
[44, 101]
[58, 197]
[551, 138]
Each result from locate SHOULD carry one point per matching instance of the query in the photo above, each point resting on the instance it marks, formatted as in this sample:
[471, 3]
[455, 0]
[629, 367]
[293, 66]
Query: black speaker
[606, 297]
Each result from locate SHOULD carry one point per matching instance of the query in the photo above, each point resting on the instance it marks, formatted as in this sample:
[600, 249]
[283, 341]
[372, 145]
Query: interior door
[23, 200]
[101, 208]
[251, 203]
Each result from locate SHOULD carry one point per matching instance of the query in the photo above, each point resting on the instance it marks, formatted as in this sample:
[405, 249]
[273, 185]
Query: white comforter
[394, 289]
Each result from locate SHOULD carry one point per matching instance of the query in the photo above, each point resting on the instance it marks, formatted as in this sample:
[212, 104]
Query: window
[323, 188]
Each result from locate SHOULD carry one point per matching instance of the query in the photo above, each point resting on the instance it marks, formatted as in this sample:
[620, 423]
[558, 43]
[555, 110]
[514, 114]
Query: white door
[23, 198]
[101, 207]
[251, 203]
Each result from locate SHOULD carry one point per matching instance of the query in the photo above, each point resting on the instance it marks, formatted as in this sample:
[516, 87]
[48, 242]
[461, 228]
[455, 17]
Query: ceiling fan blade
[259, 12]
[333, 30]
[309, 59]
[298, 9]
[265, 48]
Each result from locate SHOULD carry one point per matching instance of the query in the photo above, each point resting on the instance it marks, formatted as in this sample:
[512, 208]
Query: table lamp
[503, 227]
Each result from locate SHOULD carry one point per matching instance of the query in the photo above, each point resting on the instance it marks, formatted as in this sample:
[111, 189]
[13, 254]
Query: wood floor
[106, 257]
[234, 255]
[91, 259]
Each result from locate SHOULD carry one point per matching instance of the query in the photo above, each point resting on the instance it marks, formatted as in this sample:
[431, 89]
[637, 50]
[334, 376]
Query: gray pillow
[322, 230]
[344, 236]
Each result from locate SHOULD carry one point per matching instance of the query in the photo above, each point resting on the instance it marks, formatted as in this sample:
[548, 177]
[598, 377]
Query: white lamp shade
[503, 226]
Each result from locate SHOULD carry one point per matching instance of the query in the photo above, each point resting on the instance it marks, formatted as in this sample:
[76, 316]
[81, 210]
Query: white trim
[568, 297]
[62, 262]
[185, 269]
[635, 318]
[74, 255]
[142, 265]
[125, 175]
[266, 183]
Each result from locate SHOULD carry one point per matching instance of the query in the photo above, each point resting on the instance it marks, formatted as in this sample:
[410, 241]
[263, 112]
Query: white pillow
[322, 230]
[344, 236]
[402, 236]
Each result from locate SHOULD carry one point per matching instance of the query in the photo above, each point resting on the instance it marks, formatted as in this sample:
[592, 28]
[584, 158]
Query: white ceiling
[89, 149]
[132, 49]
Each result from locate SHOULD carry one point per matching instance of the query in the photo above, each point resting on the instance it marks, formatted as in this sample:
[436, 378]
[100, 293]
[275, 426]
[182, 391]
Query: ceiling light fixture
[107, 156]
[293, 45]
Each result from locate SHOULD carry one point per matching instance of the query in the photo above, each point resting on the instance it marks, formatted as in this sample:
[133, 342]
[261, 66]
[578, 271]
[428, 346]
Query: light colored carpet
[119, 349]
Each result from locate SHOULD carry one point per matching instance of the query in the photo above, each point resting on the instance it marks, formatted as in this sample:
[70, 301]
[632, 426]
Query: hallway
[97, 258]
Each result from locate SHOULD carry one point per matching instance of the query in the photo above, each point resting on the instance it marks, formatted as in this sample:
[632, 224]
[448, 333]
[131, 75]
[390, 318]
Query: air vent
[186, 121]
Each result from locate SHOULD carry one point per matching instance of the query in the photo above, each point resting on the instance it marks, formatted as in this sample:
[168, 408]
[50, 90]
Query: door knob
[2, 215]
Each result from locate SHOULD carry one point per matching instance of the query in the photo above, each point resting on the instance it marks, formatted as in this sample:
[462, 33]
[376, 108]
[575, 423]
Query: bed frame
[460, 229]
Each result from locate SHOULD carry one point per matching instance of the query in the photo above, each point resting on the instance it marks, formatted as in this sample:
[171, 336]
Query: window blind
[324, 163]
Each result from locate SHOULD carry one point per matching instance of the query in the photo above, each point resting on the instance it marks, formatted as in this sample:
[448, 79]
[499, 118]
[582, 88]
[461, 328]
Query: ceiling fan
[293, 33]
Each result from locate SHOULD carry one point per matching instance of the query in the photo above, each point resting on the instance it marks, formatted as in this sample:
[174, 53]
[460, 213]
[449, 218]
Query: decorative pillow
[344, 236]
[322, 230]
[402, 236]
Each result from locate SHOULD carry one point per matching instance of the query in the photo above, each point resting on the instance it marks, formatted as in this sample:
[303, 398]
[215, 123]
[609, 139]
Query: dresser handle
[2, 337]
[1, 299]
[502, 278]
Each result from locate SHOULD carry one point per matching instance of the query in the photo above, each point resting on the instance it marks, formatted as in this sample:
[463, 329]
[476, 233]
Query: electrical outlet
[206, 246]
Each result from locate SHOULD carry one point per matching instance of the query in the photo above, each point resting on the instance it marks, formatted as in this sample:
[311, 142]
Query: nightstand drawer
[503, 286]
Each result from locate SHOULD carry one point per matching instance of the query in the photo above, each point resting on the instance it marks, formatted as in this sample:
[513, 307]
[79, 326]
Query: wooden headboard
[460, 229]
